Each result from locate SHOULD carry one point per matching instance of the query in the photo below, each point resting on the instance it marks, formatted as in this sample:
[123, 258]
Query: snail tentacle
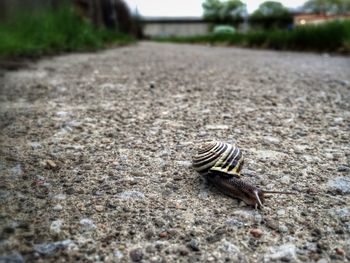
[278, 192]
[257, 198]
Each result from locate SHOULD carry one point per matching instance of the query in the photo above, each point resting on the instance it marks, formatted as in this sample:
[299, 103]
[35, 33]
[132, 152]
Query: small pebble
[14, 257]
[49, 248]
[340, 184]
[234, 223]
[173, 232]
[256, 232]
[55, 227]
[87, 224]
[272, 224]
[99, 208]
[193, 244]
[281, 212]
[283, 253]
[70, 190]
[61, 113]
[283, 229]
[343, 168]
[136, 255]
[150, 249]
[311, 190]
[118, 254]
[271, 140]
[131, 195]
[285, 179]
[51, 164]
[156, 259]
[210, 259]
[228, 248]
[57, 208]
[4, 195]
[329, 156]
[17, 170]
[342, 214]
[340, 251]
[217, 127]
[60, 197]
[35, 145]
[183, 251]
[163, 234]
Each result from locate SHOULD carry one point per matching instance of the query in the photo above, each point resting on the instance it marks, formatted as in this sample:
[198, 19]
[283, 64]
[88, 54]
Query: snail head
[253, 196]
[247, 192]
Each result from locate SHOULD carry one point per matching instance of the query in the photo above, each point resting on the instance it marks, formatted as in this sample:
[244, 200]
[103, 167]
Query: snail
[221, 164]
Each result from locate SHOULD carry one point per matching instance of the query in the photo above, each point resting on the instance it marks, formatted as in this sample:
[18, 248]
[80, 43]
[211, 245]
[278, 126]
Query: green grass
[328, 37]
[49, 32]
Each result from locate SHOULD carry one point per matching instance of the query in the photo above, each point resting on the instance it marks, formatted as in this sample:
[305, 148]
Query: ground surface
[96, 154]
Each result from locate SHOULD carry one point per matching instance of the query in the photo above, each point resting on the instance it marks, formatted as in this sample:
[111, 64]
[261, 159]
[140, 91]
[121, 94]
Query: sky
[190, 7]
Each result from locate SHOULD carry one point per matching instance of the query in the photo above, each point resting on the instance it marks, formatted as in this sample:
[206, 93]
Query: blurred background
[36, 27]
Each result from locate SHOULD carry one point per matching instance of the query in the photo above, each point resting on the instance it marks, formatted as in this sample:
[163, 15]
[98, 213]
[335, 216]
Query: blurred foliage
[224, 12]
[329, 7]
[50, 31]
[335, 37]
[137, 25]
[113, 14]
[271, 14]
[123, 17]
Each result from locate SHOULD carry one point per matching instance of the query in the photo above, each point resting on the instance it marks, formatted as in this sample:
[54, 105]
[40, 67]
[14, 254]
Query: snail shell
[220, 157]
[221, 163]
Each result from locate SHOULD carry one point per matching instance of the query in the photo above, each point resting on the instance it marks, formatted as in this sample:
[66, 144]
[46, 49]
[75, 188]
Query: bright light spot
[302, 22]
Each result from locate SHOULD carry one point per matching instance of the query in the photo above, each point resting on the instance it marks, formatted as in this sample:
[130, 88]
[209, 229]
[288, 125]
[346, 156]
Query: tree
[113, 14]
[271, 8]
[224, 12]
[327, 6]
[271, 14]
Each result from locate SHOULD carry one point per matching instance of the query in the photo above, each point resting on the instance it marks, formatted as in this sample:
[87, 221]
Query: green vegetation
[48, 32]
[271, 14]
[224, 11]
[330, 37]
[329, 7]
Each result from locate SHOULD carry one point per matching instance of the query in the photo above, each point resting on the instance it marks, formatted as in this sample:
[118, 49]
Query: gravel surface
[96, 156]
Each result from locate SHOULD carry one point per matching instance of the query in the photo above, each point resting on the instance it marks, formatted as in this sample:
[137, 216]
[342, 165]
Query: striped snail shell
[221, 163]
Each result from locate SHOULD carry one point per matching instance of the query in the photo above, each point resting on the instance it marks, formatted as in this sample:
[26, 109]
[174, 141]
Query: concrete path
[96, 156]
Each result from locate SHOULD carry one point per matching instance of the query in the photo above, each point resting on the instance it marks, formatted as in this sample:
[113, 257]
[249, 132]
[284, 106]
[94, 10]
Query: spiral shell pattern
[219, 157]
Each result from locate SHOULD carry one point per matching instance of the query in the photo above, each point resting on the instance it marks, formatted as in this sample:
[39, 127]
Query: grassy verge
[328, 37]
[49, 32]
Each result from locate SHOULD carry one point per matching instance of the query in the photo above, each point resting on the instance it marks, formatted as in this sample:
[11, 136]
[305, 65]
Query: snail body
[221, 163]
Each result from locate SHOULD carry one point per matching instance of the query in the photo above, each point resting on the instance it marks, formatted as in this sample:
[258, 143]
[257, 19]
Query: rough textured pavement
[96, 156]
